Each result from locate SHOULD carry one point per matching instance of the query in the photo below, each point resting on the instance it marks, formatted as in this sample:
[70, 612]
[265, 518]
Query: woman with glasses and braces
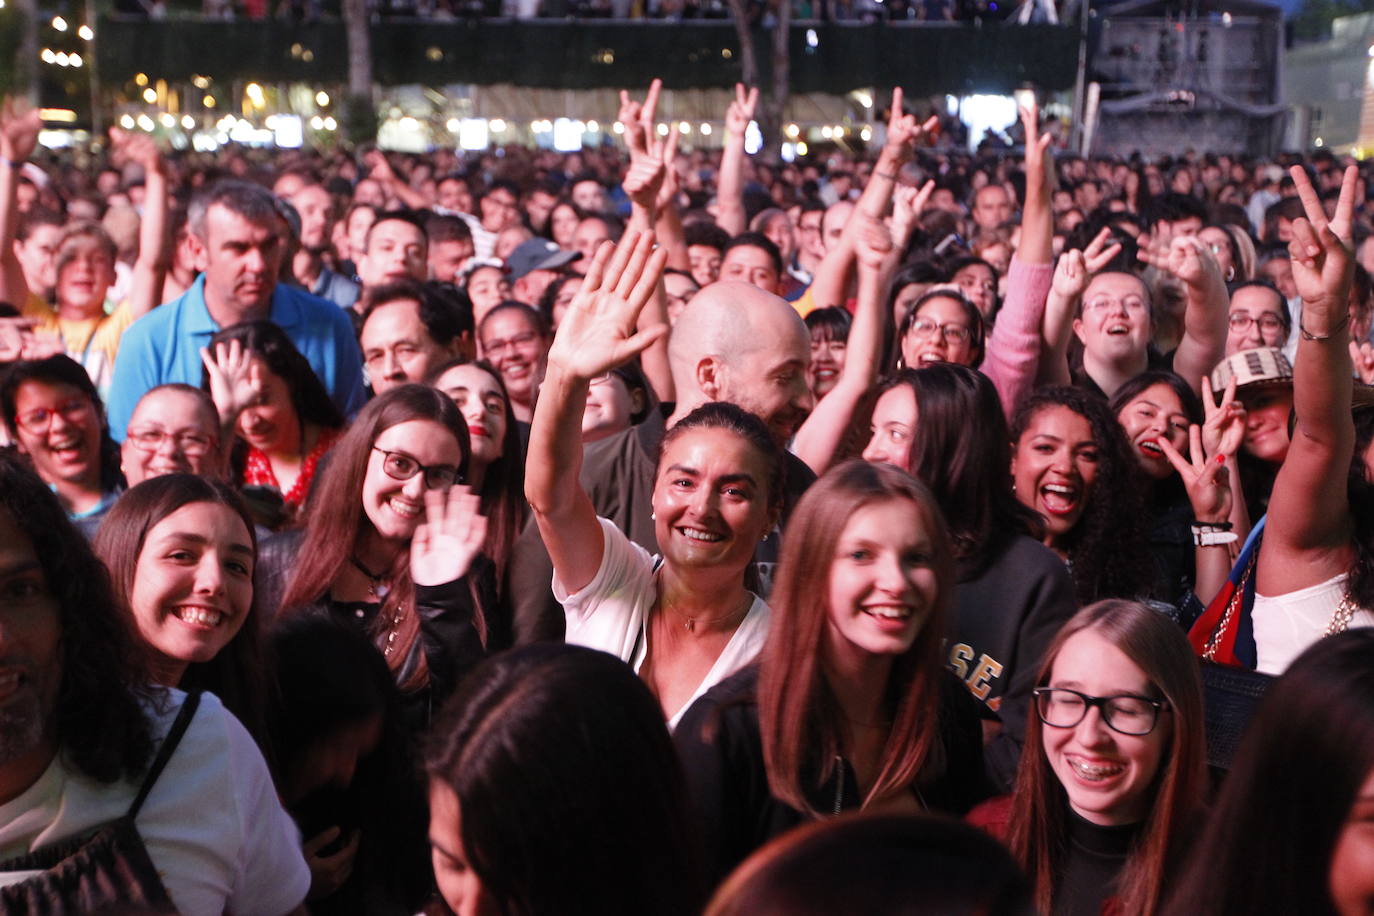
[392, 544]
[1101, 810]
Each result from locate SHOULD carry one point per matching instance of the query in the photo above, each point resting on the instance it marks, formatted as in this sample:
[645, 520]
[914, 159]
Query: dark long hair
[1108, 549]
[503, 484]
[236, 674]
[886, 864]
[1038, 830]
[335, 519]
[1269, 839]
[962, 450]
[328, 677]
[266, 340]
[572, 797]
[101, 723]
[800, 722]
[63, 370]
[1360, 495]
[1170, 490]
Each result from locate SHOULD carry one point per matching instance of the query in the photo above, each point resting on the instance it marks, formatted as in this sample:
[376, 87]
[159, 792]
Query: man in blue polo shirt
[240, 233]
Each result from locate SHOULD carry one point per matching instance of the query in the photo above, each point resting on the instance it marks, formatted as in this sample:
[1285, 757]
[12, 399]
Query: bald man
[733, 342]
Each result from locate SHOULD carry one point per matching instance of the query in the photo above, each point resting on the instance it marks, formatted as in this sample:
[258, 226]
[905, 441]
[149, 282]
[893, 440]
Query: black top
[618, 476]
[449, 640]
[1004, 619]
[721, 749]
[1095, 858]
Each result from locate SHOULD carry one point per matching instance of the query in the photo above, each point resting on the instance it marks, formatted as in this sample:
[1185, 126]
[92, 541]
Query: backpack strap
[164, 753]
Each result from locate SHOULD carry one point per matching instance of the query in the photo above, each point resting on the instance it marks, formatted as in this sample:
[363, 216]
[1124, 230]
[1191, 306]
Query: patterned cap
[1250, 368]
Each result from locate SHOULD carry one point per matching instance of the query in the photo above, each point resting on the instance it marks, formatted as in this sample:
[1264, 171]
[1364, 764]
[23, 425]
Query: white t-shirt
[212, 824]
[1285, 625]
[611, 613]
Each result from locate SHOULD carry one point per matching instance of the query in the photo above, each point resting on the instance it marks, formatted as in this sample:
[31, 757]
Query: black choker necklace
[378, 583]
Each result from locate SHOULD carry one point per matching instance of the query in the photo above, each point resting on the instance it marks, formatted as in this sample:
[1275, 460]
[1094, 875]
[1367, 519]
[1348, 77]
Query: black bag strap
[168, 748]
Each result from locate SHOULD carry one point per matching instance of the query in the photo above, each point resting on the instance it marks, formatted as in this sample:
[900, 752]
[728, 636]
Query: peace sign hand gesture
[452, 534]
[1322, 252]
[741, 110]
[598, 330]
[1224, 429]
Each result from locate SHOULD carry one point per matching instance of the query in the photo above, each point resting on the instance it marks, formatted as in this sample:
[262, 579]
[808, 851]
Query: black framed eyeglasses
[400, 466]
[1126, 714]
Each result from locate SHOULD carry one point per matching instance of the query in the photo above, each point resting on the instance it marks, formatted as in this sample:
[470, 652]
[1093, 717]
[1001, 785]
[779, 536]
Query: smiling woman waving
[684, 621]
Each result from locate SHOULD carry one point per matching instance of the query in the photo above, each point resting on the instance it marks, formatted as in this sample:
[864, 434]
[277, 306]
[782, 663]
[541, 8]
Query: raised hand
[1101, 250]
[651, 160]
[236, 379]
[379, 167]
[741, 110]
[451, 535]
[128, 146]
[1206, 480]
[903, 130]
[1223, 431]
[637, 118]
[1154, 246]
[1193, 262]
[872, 243]
[907, 205]
[1039, 164]
[1322, 253]
[1071, 276]
[19, 127]
[1362, 355]
[598, 331]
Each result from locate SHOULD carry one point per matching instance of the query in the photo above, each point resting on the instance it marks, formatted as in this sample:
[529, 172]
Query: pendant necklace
[378, 584]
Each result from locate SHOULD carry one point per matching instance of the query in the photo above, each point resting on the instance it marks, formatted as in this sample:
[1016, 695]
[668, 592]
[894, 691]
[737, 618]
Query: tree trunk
[772, 99]
[25, 73]
[360, 114]
[774, 104]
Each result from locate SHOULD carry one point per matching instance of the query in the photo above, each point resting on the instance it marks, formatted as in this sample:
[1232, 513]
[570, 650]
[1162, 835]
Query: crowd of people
[667, 531]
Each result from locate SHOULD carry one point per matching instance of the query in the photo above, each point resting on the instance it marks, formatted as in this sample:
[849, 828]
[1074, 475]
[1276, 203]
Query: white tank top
[1285, 625]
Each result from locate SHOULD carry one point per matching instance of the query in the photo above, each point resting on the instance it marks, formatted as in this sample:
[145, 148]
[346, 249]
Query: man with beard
[115, 794]
[734, 342]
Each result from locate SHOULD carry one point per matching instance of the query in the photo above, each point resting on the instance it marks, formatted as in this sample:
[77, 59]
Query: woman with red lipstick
[849, 706]
[181, 550]
[496, 465]
[1113, 776]
[1156, 409]
[1071, 463]
[267, 393]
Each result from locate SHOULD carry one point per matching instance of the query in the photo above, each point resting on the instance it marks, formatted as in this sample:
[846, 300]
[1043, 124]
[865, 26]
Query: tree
[360, 114]
[773, 97]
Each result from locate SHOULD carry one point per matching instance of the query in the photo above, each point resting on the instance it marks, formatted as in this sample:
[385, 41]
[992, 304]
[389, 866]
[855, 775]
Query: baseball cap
[538, 254]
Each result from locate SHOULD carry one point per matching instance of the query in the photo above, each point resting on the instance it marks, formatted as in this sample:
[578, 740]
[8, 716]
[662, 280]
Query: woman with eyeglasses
[174, 429]
[941, 327]
[1259, 317]
[55, 418]
[1113, 776]
[391, 544]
